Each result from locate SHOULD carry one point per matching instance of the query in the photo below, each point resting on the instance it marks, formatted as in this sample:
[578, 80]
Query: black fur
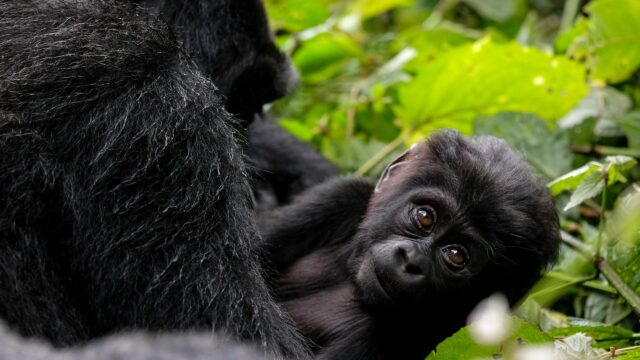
[323, 244]
[231, 42]
[136, 346]
[249, 70]
[123, 200]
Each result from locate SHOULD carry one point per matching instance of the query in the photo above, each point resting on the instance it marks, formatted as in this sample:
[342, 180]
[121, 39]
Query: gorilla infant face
[456, 219]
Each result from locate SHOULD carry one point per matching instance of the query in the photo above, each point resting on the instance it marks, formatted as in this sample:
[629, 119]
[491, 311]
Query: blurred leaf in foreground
[461, 345]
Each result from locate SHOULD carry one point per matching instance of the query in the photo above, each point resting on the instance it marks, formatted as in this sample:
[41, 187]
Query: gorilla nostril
[413, 269]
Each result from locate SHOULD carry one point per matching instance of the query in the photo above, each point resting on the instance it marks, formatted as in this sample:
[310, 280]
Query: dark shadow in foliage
[282, 166]
[123, 200]
[388, 271]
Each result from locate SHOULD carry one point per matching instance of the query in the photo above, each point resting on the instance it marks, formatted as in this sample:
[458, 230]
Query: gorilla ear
[395, 165]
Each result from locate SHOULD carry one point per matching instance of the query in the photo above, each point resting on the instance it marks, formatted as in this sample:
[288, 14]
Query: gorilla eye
[425, 217]
[455, 256]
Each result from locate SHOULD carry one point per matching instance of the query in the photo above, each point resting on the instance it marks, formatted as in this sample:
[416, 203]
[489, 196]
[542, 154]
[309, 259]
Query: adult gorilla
[231, 43]
[122, 192]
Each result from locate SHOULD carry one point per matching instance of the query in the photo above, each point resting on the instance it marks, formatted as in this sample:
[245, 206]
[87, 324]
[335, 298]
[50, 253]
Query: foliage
[558, 80]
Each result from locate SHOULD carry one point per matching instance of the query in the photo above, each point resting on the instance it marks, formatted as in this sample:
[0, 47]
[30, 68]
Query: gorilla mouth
[384, 287]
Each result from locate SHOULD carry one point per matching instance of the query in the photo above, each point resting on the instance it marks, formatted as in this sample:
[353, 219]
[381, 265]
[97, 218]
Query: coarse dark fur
[281, 165]
[362, 279]
[231, 42]
[135, 346]
[123, 199]
[249, 70]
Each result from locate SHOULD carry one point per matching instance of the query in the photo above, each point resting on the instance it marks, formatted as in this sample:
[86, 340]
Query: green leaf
[296, 128]
[547, 152]
[630, 123]
[616, 165]
[570, 181]
[604, 336]
[370, 8]
[589, 187]
[498, 10]
[324, 55]
[296, 15]
[461, 346]
[613, 39]
[623, 232]
[485, 78]
[630, 355]
[603, 104]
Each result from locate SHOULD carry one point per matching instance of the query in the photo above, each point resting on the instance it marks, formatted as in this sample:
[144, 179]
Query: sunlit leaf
[623, 232]
[603, 336]
[589, 187]
[296, 15]
[613, 39]
[485, 78]
[498, 10]
[321, 57]
[369, 8]
[461, 346]
[571, 180]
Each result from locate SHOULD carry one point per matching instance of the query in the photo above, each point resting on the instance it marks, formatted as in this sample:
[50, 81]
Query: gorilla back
[122, 191]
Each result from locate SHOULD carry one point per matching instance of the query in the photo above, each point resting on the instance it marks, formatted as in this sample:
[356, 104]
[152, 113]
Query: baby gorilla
[387, 271]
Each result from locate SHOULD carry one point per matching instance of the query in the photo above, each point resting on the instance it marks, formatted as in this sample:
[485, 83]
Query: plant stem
[383, 153]
[569, 13]
[577, 245]
[603, 204]
[616, 281]
[605, 150]
[438, 13]
[605, 269]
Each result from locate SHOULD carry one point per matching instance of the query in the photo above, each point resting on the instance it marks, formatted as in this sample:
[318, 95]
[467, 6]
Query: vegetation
[558, 80]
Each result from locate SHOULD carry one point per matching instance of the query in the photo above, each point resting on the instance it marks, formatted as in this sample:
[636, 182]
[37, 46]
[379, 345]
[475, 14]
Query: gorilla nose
[410, 263]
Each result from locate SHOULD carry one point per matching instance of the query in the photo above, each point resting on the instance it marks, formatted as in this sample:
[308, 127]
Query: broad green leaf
[623, 232]
[369, 8]
[604, 336]
[296, 15]
[431, 43]
[498, 10]
[572, 41]
[589, 187]
[460, 346]
[630, 123]
[324, 55]
[633, 354]
[298, 129]
[571, 180]
[547, 152]
[616, 165]
[485, 78]
[603, 104]
[614, 39]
